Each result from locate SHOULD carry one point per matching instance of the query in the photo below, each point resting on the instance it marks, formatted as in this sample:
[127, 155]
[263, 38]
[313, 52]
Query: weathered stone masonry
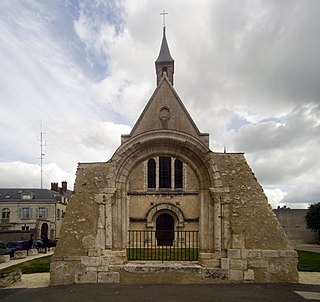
[240, 238]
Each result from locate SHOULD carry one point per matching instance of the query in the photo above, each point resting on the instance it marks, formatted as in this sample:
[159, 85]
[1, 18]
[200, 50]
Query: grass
[163, 254]
[39, 265]
[308, 261]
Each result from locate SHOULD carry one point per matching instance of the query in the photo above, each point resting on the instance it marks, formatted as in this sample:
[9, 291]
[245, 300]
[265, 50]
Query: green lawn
[308, 261]
[39, 265]
[163, 254]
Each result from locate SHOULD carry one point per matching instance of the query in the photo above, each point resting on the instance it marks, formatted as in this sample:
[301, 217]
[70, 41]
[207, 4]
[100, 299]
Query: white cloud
[29, 175]
[87, 70]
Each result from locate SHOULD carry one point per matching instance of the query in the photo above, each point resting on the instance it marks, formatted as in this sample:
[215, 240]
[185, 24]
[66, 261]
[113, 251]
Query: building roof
[164, 54]
[37, 195]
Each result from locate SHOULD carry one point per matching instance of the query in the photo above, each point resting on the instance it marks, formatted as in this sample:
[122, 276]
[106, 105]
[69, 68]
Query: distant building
[37, 211]
[294, 225]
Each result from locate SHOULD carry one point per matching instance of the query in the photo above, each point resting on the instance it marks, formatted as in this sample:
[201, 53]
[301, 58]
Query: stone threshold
[157, 266]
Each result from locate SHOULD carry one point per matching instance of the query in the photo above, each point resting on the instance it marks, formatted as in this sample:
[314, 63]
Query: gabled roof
[178, 119]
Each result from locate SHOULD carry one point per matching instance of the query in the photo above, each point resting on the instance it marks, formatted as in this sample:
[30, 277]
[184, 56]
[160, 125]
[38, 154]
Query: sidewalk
[308, 247]
[17, 261]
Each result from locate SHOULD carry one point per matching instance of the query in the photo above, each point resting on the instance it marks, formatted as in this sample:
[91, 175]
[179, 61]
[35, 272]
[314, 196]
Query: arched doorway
[165, 229]
[44, 230]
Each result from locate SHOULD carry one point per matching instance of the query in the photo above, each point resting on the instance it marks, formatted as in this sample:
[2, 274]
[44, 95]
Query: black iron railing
[163, 245]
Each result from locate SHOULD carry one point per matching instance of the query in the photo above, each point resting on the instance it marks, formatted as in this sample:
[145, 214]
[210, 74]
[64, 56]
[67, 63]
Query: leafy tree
[313, 218]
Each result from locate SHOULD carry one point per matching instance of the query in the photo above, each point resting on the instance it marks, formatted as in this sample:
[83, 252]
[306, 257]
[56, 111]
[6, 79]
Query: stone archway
[44, 230]
[164, 208]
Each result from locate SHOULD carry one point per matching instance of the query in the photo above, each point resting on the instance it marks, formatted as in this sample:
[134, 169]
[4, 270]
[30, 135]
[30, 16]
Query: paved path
[167, 293]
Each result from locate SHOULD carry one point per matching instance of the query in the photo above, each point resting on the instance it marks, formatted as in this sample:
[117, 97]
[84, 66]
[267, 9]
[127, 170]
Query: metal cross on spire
[164, 17]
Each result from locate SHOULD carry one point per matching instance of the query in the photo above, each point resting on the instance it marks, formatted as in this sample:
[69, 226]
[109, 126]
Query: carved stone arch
[164, 207]
[164, 142]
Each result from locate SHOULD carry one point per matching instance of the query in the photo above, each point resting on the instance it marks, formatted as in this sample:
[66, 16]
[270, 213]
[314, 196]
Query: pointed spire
[164, 54]
[164, 62]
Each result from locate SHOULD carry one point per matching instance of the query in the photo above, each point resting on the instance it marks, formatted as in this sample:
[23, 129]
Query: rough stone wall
[80, 225]
[248, 242]
[250, 214]
[257, 248]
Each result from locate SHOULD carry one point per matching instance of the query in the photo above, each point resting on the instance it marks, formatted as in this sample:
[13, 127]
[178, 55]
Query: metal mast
[42, 144]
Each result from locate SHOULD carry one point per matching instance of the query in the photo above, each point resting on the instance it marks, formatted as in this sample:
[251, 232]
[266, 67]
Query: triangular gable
[165, 110]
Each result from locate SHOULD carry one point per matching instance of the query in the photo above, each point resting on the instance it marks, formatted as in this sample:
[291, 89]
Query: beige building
[294, 225]
[164, 195]
[37, 211]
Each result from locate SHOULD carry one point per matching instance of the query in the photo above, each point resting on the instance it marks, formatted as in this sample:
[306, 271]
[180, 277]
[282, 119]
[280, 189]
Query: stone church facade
[162, 186]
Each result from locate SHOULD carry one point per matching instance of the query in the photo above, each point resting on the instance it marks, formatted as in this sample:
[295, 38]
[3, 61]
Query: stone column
[203, 223]
[157, 172]
[217, 196]
[105, 229]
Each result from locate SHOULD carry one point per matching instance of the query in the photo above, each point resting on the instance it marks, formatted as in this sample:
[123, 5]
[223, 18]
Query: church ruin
[165, 208]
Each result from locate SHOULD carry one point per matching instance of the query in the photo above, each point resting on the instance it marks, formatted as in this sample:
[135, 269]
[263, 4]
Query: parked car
[3, 249]
[37, 244]
[14, 246]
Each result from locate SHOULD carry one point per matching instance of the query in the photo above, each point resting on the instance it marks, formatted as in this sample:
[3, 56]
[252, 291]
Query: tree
[313, 218]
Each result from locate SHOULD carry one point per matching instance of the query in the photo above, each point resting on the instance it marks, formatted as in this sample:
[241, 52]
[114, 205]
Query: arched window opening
[178, 174]
[151, 173]
[164, 172]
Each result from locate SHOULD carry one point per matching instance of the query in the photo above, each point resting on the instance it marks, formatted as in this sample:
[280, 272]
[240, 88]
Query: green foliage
[308, 261]
[313, 218]
[38, 265]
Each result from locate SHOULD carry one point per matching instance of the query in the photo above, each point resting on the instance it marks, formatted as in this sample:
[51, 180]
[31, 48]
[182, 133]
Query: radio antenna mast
[42, 144]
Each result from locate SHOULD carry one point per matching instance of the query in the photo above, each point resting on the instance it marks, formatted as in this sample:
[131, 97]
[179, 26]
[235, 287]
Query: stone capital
[107, 197]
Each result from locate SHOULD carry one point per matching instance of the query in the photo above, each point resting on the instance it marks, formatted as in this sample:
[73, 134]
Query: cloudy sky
[247, 71]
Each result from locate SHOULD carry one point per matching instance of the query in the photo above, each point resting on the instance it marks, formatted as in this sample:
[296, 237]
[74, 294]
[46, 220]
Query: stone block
[7, 279]
[233, 253]
[87, 277]
[210, 262]
[236, 275]
[108, 277]
[90, 261]
[253, 263]
[103, 268]
[20, 254]
[237, 241]
[225, 263]
[250, 254]
[238, 264]
[214, 273]
[94, 252]
[91, 269]
[269, 253]
[32, 252]
[288, 253]
[4, 258]
[248, 275]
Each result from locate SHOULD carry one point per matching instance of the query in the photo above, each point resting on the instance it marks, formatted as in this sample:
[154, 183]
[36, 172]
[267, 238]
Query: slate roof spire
[164, 62]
